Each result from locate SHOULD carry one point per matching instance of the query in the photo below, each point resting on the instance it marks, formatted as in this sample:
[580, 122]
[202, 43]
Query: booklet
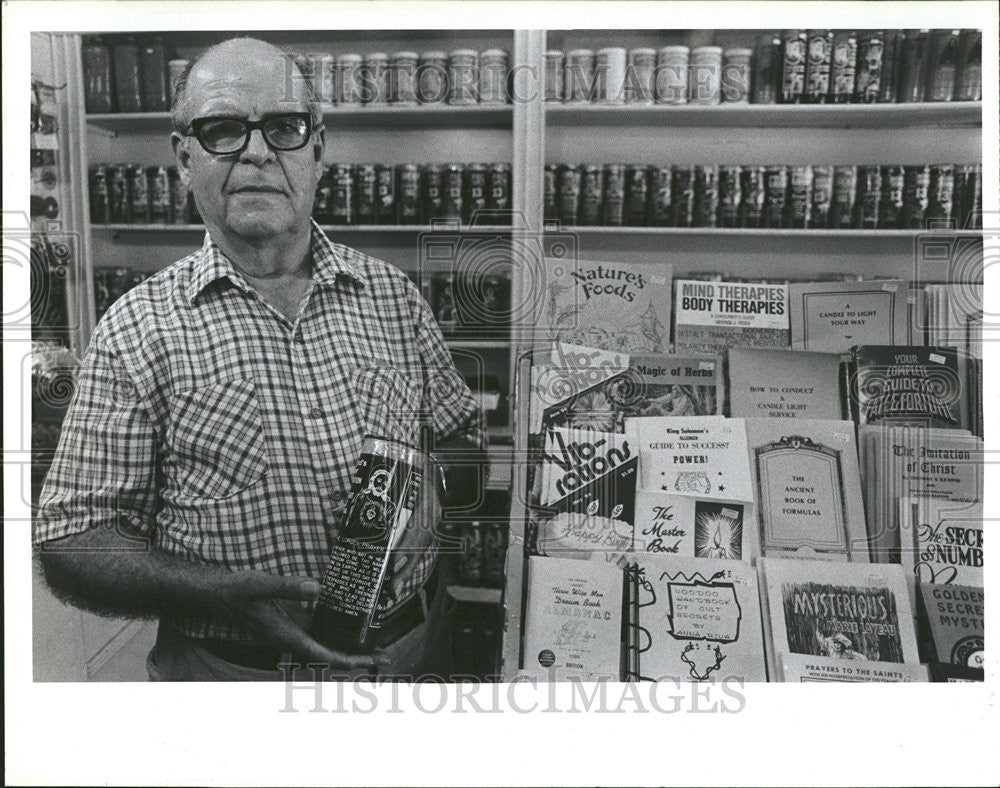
[710, 317]
[784, 384]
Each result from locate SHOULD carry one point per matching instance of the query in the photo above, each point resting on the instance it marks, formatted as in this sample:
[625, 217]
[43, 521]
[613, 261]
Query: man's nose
[257, 150]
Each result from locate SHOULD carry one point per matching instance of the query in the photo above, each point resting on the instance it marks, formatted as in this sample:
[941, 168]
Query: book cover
[692, 527]
[833, 317]
[784, 384]
[573, 621]
[702, 456]
[710, 317]
[909, 385]
[915, 462]
[844, 611]
[942, 540]
[692, 619]
[808, 489]
[806, 668]
[615, 306]
[952, 619]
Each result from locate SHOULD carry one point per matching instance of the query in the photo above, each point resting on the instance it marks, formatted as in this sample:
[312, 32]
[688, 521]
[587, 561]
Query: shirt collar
[327, 263]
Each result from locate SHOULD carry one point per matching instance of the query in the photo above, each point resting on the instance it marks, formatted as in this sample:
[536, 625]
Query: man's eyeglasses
[228, 135]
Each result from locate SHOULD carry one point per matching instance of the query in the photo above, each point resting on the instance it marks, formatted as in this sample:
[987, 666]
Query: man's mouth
[258, 190]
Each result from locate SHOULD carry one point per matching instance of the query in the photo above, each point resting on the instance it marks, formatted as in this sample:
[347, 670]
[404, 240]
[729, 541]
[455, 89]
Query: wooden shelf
[328, 228]
[387, 116]
[862, 116]
[484, 596]
[767, 232]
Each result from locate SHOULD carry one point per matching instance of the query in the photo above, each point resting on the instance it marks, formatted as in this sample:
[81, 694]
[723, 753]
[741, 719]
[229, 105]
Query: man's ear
[182, 155]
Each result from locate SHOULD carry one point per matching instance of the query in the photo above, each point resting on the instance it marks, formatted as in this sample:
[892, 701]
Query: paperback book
[942, 540]
[692, 619]
[691, 527]
[807, 668]
[952, 628]
[808, 489]
[710, 317]
[784, 384]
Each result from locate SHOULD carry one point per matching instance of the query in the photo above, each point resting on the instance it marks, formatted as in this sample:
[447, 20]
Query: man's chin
[260, 224]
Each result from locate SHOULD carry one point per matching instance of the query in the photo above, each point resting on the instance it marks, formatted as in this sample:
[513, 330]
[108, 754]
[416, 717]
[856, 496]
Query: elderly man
[220, 411]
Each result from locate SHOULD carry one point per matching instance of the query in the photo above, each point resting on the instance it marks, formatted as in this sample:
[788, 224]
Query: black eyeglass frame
[197, 124]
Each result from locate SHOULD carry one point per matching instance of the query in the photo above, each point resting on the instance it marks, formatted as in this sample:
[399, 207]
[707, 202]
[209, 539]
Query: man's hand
[271, 604]
[420, 535]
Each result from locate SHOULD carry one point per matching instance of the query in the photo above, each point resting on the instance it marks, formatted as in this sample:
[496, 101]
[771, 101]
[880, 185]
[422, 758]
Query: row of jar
[798, 66]
[867, 197]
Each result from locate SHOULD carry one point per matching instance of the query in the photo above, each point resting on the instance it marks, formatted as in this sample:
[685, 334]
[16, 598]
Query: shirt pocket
[388, 401]
[216, 439]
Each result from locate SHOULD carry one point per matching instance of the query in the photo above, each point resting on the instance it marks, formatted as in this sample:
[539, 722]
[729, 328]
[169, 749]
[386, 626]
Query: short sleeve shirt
[226, 434]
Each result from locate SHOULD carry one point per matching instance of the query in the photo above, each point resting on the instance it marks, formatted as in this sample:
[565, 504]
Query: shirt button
[315, 413]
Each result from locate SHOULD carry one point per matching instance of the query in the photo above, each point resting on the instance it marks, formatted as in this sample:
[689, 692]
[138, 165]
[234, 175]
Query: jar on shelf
[98, 75]
[153, 69]
[432, 77]
[579, 78]
[554, 65]
[463, 77]
[672, 74]
[640, 78]
[736, 72]
[128, 90]
[493, 70]
[349, 78]
[609, 75]
[402, 78]
[375, 78]
[704, 75]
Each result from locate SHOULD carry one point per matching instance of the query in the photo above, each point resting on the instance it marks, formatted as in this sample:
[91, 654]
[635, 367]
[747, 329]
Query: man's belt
[261, 657]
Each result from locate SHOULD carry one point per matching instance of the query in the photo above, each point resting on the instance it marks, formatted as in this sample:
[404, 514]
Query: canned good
[844, 66]
[550, 194]
[463, 77]
[321, 202]
[384, 494]
[889, 89]
[736, 72]
[569, 176]
[324, 78]
[349, 78]
[640, 76]
[178, 197]
[385, 202]
[342, 205]
[822, 196]
[403, 78]
[705, 75]
[799, 204]
[967, 200]
[374, 78]
[98, 76]
[432, 77]
[818, 62]
[498, 193]
[470, 565]
[432, 189]
[730, 195]
[159, 195]
[476, 188]
[609, 73]
[153, 76]
[614, 194]
[672, 74]
[706, 195]
[912, 62]
[98, 195]
[493, 77]
[683, 196]
[969, 68]
[554, 65]
[119, 209]
[366, 197]
[752, 191]
[128, 92]
[942, 65]
[845, 189]
[579, 78]
[868, 73]
[890, 209]
[940, 194]
[452, 191]
[636, 195]
[176, 69]
[916, 181]
[661, 196]
[775, 195]
[793, 68]
[869, 197]
[407, 194]
[768, 68]
[591, 195]
[138, 189]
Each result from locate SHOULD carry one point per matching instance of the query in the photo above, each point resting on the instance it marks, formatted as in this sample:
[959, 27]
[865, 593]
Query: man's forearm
[110, 572]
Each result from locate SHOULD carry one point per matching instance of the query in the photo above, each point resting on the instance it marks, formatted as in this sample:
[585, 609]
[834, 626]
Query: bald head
[254, 61]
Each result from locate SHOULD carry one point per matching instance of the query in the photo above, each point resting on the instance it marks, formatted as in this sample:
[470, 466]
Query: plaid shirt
[226, 434]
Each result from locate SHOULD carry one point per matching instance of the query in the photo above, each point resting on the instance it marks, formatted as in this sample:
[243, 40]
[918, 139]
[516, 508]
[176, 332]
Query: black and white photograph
[359, 357]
